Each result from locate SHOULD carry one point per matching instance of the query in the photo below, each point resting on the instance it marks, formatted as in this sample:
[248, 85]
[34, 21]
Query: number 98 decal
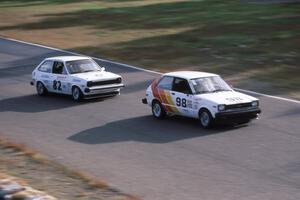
[56, 85]
[181, 102]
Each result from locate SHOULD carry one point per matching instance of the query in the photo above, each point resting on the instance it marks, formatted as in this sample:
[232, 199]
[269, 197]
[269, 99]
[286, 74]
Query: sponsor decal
[185, 110]
[61, 77]
[45, 76]
[234, 99]
[76, 80]
[189, 104]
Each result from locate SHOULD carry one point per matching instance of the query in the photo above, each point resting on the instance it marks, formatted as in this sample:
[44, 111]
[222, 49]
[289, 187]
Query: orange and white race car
[199, 95]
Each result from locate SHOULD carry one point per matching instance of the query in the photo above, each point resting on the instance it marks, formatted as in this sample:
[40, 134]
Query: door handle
[172, 93]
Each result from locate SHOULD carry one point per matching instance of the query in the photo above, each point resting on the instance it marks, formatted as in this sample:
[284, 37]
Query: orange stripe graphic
[157, 93]
[171, 102]
[164, 100]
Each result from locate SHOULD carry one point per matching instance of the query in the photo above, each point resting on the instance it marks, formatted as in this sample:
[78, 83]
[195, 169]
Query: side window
[181, 85]
[166, 83]
[46, 66]
[58, 68]
[64, 70]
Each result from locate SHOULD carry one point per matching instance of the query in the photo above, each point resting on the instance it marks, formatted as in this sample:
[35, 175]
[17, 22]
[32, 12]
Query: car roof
[67, 58]
[189, 74]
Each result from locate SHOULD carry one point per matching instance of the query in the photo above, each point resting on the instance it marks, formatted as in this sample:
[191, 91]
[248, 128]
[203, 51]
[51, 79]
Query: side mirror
[103, 68]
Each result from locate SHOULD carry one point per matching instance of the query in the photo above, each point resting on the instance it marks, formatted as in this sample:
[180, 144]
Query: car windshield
[209, 85]
[82, 66]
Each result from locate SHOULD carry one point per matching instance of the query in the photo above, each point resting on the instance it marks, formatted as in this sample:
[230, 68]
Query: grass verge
[55, 179]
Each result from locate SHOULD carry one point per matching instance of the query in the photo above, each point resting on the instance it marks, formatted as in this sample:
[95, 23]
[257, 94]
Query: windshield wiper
[203, 92]
[220, 90]
[88, 71]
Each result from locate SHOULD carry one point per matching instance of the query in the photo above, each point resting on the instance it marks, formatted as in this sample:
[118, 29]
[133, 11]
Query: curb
[12, 188]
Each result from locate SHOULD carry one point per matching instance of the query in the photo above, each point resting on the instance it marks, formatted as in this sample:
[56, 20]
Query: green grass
[227, 37]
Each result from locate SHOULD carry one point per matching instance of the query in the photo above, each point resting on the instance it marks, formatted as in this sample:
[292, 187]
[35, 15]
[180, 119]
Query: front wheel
[157, 110]
[206, 119]
[77, 94]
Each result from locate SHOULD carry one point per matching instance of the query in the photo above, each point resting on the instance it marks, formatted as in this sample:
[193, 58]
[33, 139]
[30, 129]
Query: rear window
[166, 83]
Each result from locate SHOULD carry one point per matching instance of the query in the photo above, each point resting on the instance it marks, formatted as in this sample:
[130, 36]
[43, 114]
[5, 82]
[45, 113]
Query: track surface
[117, 139]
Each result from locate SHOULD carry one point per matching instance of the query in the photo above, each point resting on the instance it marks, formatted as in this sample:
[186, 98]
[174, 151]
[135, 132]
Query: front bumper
[94, 92]
[236, 116]
[101, 95]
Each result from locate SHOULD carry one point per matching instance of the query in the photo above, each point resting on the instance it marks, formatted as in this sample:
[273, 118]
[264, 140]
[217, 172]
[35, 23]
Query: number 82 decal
[56, 85]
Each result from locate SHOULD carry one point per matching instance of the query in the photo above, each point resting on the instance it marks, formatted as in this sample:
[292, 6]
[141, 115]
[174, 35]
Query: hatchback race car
[200, 95]
[78, 76]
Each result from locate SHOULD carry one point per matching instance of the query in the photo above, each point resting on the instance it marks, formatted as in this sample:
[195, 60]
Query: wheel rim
[204, 119]
[75, 93]
[40, 88]
[156, 110]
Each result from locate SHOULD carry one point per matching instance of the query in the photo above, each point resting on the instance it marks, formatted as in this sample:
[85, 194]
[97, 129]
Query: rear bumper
[236, 116]
[144, 101]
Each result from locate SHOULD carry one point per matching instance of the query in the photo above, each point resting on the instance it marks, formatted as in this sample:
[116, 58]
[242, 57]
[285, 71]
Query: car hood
[96, 76]
[227, 97]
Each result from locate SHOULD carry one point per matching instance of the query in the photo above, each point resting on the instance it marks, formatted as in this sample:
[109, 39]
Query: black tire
[77, 94]
[157, 110]
[206, 119]
[41, 89]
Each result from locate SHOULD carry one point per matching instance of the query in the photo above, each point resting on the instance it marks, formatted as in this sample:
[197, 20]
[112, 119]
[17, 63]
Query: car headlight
[119, 80]
[254, 103]
[221, 107]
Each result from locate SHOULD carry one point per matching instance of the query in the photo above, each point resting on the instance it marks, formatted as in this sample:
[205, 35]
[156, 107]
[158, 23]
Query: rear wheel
[206, 119]
[41, 89]
[157, 110]
[77, 94]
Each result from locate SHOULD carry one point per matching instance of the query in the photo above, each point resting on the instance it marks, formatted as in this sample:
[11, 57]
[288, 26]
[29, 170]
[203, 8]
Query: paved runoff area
[117, 139]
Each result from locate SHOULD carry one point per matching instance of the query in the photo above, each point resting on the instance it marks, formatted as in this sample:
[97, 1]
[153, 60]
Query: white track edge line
[267, 95]
[78, 54]
[141, 69]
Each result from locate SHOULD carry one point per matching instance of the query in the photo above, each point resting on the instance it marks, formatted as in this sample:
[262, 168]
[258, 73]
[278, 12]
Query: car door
[59, 78]
[162, 92]
[183, 97]
[44, 73]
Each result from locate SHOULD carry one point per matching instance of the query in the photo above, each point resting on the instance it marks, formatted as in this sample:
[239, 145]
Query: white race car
[200, 95]
[78, 76]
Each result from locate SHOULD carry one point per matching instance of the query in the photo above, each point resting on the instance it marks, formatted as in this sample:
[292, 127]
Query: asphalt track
[117, 139]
